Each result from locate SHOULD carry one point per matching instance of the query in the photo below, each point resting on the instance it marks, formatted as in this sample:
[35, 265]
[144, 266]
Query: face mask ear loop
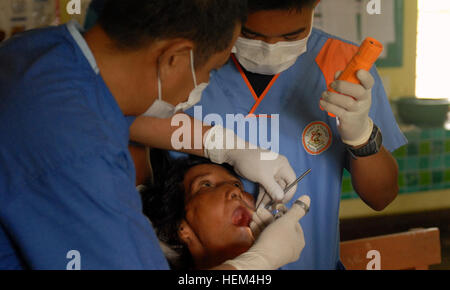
[193, 69]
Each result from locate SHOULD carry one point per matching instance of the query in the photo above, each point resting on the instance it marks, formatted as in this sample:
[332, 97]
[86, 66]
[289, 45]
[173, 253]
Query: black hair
[208, 23]
[164, 201]
[262, 5]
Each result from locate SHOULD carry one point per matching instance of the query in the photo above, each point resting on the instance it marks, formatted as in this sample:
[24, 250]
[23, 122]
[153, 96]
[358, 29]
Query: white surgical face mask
[260, 57]
[163, 109]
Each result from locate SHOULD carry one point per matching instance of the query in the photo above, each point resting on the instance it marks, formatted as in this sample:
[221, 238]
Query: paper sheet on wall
[20, 15]
[382, 26]
[350, 20]
[339, 18]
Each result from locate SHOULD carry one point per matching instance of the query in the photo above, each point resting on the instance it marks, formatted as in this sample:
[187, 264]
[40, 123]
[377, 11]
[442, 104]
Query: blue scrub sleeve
[90, 206]
[382, 115]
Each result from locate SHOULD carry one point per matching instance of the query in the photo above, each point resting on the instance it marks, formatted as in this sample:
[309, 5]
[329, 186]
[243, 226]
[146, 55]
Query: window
[433, 49]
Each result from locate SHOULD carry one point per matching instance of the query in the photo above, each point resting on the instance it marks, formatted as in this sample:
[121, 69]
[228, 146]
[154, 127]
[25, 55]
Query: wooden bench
[413, 250]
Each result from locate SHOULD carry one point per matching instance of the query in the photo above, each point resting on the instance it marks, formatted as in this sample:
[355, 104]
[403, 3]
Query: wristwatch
[372, 148]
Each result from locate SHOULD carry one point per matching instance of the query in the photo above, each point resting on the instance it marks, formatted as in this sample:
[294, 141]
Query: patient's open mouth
[241, 217]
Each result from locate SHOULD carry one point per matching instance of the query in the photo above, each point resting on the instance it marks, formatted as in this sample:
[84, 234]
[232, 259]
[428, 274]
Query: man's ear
[175, 57]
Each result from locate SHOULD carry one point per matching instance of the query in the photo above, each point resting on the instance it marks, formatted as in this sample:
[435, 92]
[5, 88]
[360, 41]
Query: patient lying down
[204, 220]
[200, 210]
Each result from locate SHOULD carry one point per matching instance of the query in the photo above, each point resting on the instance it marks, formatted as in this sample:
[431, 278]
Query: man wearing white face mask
[260, 57]
[163, 109]
[283, 66]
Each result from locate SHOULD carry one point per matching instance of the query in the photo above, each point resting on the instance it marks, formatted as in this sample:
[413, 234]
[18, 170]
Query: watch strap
[372, 147]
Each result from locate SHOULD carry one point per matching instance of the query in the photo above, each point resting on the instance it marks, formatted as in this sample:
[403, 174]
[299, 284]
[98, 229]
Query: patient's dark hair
[164, 201]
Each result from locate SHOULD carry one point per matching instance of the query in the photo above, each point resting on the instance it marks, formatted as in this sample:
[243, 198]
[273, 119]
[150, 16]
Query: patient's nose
[234, 192]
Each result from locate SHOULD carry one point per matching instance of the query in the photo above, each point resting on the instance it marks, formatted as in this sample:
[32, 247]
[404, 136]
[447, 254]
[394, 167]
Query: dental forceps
[286, 190]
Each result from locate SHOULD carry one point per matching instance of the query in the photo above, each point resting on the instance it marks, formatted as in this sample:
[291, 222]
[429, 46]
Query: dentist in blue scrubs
[67, 100]
[282, 68]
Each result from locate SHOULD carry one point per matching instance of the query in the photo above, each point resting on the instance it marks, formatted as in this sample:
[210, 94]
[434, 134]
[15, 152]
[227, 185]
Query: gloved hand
[261, 219]
[267, 168]
[263, 216]
[351, 105]
[279, 244]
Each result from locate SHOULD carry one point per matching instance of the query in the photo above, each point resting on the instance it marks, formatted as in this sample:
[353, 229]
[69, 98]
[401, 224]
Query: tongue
[241, 217]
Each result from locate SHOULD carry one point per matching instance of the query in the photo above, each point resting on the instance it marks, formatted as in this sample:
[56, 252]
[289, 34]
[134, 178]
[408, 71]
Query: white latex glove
[263, 216]
[267, 168]
[279, 244]
[351, 105]
[261, 219]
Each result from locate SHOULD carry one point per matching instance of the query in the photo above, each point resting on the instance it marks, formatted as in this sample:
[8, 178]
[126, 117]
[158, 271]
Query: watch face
[378, 139]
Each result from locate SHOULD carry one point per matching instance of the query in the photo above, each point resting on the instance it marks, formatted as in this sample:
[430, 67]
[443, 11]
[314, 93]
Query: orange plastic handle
[365, 58]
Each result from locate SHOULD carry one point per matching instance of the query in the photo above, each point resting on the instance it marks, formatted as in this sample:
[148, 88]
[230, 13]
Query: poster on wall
[19, 15]
[354, 20]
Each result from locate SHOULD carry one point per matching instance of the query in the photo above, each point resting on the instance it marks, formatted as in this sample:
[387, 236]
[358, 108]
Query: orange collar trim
[259, 99]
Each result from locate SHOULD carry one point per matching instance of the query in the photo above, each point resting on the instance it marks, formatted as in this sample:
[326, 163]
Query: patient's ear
[186, 233]
[189, 237]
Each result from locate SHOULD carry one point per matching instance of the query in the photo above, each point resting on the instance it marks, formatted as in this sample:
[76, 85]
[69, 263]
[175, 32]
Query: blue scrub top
[67, 180]
[309, 138]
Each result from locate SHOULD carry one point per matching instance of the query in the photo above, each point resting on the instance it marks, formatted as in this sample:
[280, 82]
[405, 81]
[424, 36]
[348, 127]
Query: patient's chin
[244, 239]
[236, 242]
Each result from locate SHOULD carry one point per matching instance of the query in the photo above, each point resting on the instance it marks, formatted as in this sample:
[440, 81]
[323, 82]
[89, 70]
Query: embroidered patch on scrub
[317, 138]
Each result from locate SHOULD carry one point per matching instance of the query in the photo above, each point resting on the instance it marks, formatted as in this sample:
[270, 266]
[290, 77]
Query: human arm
[157, 133]
[224, 267]
[269, 169]
[374, 177]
